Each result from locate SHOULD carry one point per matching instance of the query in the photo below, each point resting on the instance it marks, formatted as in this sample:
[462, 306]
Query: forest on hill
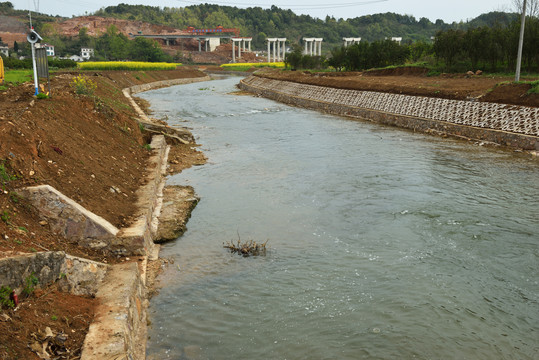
[487, 42]
[276, 22]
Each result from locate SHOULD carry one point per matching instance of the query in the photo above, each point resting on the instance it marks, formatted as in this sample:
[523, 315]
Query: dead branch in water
[246, 248]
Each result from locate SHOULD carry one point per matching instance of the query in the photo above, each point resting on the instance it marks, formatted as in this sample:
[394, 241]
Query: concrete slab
[69, 219]
[178, 204]
[119, 328]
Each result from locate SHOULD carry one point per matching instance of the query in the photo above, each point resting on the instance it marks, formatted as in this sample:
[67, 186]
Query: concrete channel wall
[507, 125]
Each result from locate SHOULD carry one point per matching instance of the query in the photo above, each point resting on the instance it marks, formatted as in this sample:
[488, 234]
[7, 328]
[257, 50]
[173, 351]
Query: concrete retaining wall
[68, 219]
[75, 275]
[508, 125]
[137, 239]
[119, 328]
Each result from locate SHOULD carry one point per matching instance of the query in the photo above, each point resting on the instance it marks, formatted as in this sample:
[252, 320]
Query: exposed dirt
[81, 146]
[97, 26]
[413, 81]
[66, 315]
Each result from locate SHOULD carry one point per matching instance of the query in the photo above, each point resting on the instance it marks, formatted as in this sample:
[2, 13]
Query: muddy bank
[508, 125]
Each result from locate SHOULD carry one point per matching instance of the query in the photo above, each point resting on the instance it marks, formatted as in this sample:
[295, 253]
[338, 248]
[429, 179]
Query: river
[383, 244]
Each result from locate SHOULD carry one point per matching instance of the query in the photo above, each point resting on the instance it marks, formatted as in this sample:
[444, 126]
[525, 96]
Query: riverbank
[94, 151]
[485, 122]
[415, 81]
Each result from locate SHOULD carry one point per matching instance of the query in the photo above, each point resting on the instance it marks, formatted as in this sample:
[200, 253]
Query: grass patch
[16, 77]
[534, 87]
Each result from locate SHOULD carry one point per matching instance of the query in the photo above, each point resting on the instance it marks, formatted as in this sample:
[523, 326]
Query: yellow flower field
[125, 65]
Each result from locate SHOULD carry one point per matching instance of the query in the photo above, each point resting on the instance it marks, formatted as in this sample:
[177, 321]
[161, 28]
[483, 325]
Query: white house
[86, 53]
[48, 48]
[4, 50]
[76, 58]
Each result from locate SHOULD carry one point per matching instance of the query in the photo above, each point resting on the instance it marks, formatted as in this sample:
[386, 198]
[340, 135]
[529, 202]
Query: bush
[83, 85]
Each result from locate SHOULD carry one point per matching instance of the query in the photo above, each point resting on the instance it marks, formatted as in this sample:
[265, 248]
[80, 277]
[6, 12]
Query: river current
[383, 244]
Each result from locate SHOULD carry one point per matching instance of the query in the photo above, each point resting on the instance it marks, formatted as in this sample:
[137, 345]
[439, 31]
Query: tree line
[454, 50]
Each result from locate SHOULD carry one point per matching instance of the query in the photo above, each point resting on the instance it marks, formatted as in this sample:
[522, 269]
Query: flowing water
[384, 244]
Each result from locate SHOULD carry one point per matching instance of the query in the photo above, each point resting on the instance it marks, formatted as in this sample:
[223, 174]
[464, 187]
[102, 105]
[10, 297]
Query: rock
[470, 73]
[43, 223]
[478, 72]
[178, 202]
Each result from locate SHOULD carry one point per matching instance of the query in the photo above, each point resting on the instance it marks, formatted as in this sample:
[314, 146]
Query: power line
[295, 7]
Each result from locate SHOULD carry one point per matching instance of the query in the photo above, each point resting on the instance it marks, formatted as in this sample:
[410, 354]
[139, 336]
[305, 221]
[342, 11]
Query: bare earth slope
[413, 81]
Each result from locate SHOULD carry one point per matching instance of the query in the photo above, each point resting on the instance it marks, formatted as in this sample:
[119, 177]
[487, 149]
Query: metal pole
[520, 42]
[35, 68]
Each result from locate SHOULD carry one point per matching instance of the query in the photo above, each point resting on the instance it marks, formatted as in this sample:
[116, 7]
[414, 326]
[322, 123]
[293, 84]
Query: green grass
[16, 77]
[534, 86]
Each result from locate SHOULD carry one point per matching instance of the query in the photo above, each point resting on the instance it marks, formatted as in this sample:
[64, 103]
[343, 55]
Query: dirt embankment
[413, 81]
[92, 150]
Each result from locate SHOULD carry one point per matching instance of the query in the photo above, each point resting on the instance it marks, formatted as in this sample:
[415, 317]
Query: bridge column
[199, 46]
[249, 44]
[282, 50]
[239, 48]
[268, 50]
[320, 47]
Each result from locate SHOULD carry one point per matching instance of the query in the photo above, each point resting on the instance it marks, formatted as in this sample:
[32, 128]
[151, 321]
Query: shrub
[83, 85]
[30, 284]
[5, 300]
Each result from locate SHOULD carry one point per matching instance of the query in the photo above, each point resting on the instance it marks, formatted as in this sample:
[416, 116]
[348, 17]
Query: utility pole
[520, 41]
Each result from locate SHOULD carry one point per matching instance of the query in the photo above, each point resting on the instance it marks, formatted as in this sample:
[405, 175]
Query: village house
[4, 50]
[49, 48]
[86, 53]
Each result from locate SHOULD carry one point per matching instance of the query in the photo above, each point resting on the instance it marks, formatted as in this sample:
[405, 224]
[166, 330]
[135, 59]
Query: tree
[143, 49]
[293, 59]
[532, 7]
[84, 38]
[448, 44]
[338, 58]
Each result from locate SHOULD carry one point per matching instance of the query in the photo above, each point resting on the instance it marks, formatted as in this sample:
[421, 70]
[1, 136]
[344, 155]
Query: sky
[447, 10]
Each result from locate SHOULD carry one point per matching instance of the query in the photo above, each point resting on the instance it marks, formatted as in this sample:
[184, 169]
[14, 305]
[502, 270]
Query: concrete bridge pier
[274, 44]
[283, 52]
[313, 46]
[350, 41]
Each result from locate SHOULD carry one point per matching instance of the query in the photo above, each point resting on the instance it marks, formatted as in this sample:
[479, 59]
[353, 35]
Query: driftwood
[246, 248]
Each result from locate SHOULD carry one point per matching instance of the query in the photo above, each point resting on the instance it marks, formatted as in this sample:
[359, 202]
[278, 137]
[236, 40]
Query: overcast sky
[447, 10]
